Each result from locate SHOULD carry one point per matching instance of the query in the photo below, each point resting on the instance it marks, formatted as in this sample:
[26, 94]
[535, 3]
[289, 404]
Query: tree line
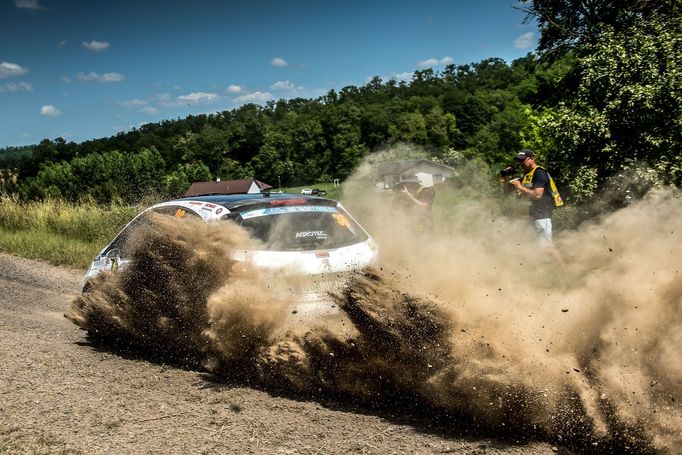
[600, 99]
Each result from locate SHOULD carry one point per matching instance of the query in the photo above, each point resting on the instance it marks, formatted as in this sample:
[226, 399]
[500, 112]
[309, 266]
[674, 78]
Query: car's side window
[120, 242]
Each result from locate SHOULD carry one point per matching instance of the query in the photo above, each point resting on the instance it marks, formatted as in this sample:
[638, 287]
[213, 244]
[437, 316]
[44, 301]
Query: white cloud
[16, 87]
[96, 46]
[29, 4]
[106, 77]
[195, 98]
[141, 106]
[282, 85]
[26, 136]
[198, 98]
[62, 44]
[135, 102]
[150, 110]
[234, 89]
[8, 69]
[525, 41]
[50, 111]
[428, 63]
[255, 97]
[277, 61]
[66, 79]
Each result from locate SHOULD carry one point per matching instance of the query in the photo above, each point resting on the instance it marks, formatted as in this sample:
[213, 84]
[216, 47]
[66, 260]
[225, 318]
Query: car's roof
[231, 201]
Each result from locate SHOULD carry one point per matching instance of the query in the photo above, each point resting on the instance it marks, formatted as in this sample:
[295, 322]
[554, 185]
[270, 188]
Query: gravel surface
[61, 394]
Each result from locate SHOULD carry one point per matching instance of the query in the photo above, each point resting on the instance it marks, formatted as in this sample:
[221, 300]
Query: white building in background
[425, 171]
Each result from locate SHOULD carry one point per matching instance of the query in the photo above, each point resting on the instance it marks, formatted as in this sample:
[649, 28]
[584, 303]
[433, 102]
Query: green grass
[59, 232]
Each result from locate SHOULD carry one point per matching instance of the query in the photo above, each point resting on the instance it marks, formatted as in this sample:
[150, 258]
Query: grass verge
[59, 232]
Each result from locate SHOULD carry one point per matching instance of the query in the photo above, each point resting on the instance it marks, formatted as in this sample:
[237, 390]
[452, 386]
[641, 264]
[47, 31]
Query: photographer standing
[539, 187]
[417, 200]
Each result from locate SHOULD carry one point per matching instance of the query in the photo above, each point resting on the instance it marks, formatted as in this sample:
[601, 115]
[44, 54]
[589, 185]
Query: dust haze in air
[468, 316]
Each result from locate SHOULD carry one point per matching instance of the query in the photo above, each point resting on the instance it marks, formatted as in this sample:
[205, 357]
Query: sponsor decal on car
[318, 234]
[287, 209]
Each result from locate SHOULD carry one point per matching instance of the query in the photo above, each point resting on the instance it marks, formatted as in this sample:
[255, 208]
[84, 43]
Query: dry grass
[59, 232]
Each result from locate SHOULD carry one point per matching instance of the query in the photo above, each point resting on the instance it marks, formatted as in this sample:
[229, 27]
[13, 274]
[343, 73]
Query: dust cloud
[466, 316]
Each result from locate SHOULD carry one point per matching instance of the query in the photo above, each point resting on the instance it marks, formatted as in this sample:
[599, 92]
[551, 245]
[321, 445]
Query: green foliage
[565, 23]
[627, 109]
[178, 182]
[11, 157]
[103, 177]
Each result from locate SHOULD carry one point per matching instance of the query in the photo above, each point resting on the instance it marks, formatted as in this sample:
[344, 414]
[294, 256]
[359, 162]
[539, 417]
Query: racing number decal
[341, 220]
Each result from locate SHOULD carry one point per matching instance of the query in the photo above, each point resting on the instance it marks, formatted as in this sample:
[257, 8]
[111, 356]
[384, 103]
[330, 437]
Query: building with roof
[426, 172]
[240, 186]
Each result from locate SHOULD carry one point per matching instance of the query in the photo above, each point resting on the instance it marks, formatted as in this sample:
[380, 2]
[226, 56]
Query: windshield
[300, 228]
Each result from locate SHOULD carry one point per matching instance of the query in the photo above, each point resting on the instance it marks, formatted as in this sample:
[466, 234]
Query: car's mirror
[113, 253]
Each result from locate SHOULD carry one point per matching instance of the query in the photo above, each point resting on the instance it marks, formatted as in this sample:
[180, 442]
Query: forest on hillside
[600, 102]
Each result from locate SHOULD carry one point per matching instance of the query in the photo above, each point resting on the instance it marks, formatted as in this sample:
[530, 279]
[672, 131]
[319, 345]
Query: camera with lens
[507, 171]
[507, 175]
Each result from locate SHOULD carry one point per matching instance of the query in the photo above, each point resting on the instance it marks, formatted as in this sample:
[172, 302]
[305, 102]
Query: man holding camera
[539, 187]
[418, 200]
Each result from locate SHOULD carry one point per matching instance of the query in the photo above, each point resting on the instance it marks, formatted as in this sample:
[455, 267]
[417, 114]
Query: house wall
[428, 175]
[426, 179]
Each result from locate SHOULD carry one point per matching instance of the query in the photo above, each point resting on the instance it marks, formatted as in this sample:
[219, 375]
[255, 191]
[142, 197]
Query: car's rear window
[301, 227]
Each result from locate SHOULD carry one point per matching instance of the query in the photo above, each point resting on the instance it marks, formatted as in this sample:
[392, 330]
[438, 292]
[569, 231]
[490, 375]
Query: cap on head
[525, 153]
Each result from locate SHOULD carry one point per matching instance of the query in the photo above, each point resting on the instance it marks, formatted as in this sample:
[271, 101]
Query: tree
[408, 127]
[209, 147]
[628, 106]
[102, 176]
[345, 142]
[177, 182]
[570, 23]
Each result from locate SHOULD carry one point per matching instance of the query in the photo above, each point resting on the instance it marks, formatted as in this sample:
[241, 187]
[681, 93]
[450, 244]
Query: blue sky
[88, 69]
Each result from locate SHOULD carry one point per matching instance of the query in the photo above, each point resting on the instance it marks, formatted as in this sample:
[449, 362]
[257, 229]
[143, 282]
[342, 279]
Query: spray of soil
[183, 298]
[470, 318]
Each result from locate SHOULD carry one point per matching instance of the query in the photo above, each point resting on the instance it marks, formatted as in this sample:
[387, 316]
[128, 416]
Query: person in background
[419, 199]
[539, 187]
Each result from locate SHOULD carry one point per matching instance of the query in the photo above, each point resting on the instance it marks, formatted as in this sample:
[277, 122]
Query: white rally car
[313, 237]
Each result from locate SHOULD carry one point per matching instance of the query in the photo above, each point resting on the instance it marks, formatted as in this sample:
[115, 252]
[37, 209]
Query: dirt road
[60, 394]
